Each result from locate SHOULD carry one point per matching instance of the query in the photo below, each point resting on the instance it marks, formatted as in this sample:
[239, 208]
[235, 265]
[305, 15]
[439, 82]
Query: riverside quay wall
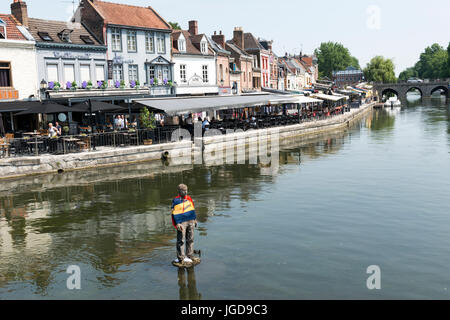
[179, 153]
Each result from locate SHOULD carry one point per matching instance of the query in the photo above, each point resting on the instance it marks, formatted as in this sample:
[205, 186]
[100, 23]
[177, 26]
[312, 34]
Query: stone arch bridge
[401, 89]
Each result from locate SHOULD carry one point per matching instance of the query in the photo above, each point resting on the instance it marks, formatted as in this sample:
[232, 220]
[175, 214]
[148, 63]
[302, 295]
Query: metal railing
[38, 145]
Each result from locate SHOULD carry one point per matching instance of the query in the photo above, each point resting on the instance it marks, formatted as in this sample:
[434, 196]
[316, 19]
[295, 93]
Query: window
[244, 77]
[86, 39]
[149, 42]
[165, 73]
[85, 72]
[45, 36]
[52, 73]
[100, 72]
[205, 73]
[151, 72]
[2, 29]
[69, 72]
[221, 72]
[133, 72]
[182, 45]
[65, 35]
[183, 73]
[131, 41]
[117, 72]
[204, 47]
[161, 43]
[116, 39]
[5, 74]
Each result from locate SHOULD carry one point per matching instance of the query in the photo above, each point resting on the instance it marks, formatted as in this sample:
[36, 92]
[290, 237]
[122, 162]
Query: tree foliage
[333, 56]
[380, 69]
[434, 63]
[408, 74]
[175, 25]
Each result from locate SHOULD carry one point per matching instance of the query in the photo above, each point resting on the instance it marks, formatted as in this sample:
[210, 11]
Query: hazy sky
[397, 29]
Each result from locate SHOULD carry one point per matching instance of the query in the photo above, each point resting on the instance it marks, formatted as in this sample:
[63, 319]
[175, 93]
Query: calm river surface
[376, 194]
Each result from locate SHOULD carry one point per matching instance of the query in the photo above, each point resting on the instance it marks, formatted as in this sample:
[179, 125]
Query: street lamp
[43, 85]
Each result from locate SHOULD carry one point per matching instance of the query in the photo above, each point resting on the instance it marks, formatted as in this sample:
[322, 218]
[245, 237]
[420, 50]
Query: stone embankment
[15, 167]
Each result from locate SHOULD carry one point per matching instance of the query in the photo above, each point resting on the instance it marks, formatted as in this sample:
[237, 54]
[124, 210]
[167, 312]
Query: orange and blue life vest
[182, 210]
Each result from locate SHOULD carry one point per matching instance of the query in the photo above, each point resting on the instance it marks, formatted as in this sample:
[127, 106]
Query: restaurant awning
[16, 106]
[304, 99]
[46, 108]
[173, 106]
[97, 106]
[328, 97]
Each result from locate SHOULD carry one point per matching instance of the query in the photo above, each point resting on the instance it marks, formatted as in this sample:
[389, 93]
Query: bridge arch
[445, 89]
[410, 89]
[386, 91]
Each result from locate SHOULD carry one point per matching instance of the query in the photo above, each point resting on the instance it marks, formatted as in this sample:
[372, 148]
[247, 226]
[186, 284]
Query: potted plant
[74, 85]
[170, 83]
[152, 81]
[84, 85]
[66, 130]
[122, 84]
[104, 85]
[165, 82]
[68, 85]
[57, 86]
[138, 84]
[89, 85]
[117, 84]
[132, 84]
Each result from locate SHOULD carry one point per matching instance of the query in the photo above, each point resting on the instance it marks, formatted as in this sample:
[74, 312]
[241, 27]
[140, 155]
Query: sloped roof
[234, 48]
[55, 27]
[217, 47]
[12, 32]
[192, 43]
[128, 15]
[251, 43]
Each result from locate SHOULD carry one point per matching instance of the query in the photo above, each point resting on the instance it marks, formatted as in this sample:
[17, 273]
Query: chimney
[238, 37]
[219, 39]
[193, 27]
[20, 12]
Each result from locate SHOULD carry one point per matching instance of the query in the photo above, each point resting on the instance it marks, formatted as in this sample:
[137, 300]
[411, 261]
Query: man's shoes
[176, 260]
[187, 260]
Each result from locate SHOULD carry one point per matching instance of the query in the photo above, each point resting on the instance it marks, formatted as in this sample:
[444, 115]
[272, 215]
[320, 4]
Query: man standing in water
[184, 220]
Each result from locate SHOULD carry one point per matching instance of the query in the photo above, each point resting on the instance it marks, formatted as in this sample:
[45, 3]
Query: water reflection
[188, 285]
[111, 219]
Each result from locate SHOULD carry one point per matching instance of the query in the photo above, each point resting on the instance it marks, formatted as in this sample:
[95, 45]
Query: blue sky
[397, 29]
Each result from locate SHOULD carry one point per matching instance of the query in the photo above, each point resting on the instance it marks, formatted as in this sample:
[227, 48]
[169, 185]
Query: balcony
[155, 90]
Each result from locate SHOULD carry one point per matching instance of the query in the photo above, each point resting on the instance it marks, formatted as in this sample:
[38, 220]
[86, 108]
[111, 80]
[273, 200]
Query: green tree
[333, 56]
[448, 60]
[408, 73]
[175, 25]
[433, 62]
[380, 69]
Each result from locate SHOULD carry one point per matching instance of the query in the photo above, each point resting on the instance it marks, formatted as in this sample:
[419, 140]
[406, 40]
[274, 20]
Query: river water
[375, 194]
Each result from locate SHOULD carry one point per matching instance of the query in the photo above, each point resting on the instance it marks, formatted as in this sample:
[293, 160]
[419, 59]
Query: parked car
[415, 80]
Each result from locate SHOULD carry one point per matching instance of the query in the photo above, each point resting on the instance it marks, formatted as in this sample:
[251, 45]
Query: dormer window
[182, 45]
[45, 36]
[86, 39]
[2, 29]
[65, 35]
[204, 47]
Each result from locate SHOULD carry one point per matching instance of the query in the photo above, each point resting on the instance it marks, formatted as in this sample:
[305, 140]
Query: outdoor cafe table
[31, 134]
[71, 146]
[36, 144]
